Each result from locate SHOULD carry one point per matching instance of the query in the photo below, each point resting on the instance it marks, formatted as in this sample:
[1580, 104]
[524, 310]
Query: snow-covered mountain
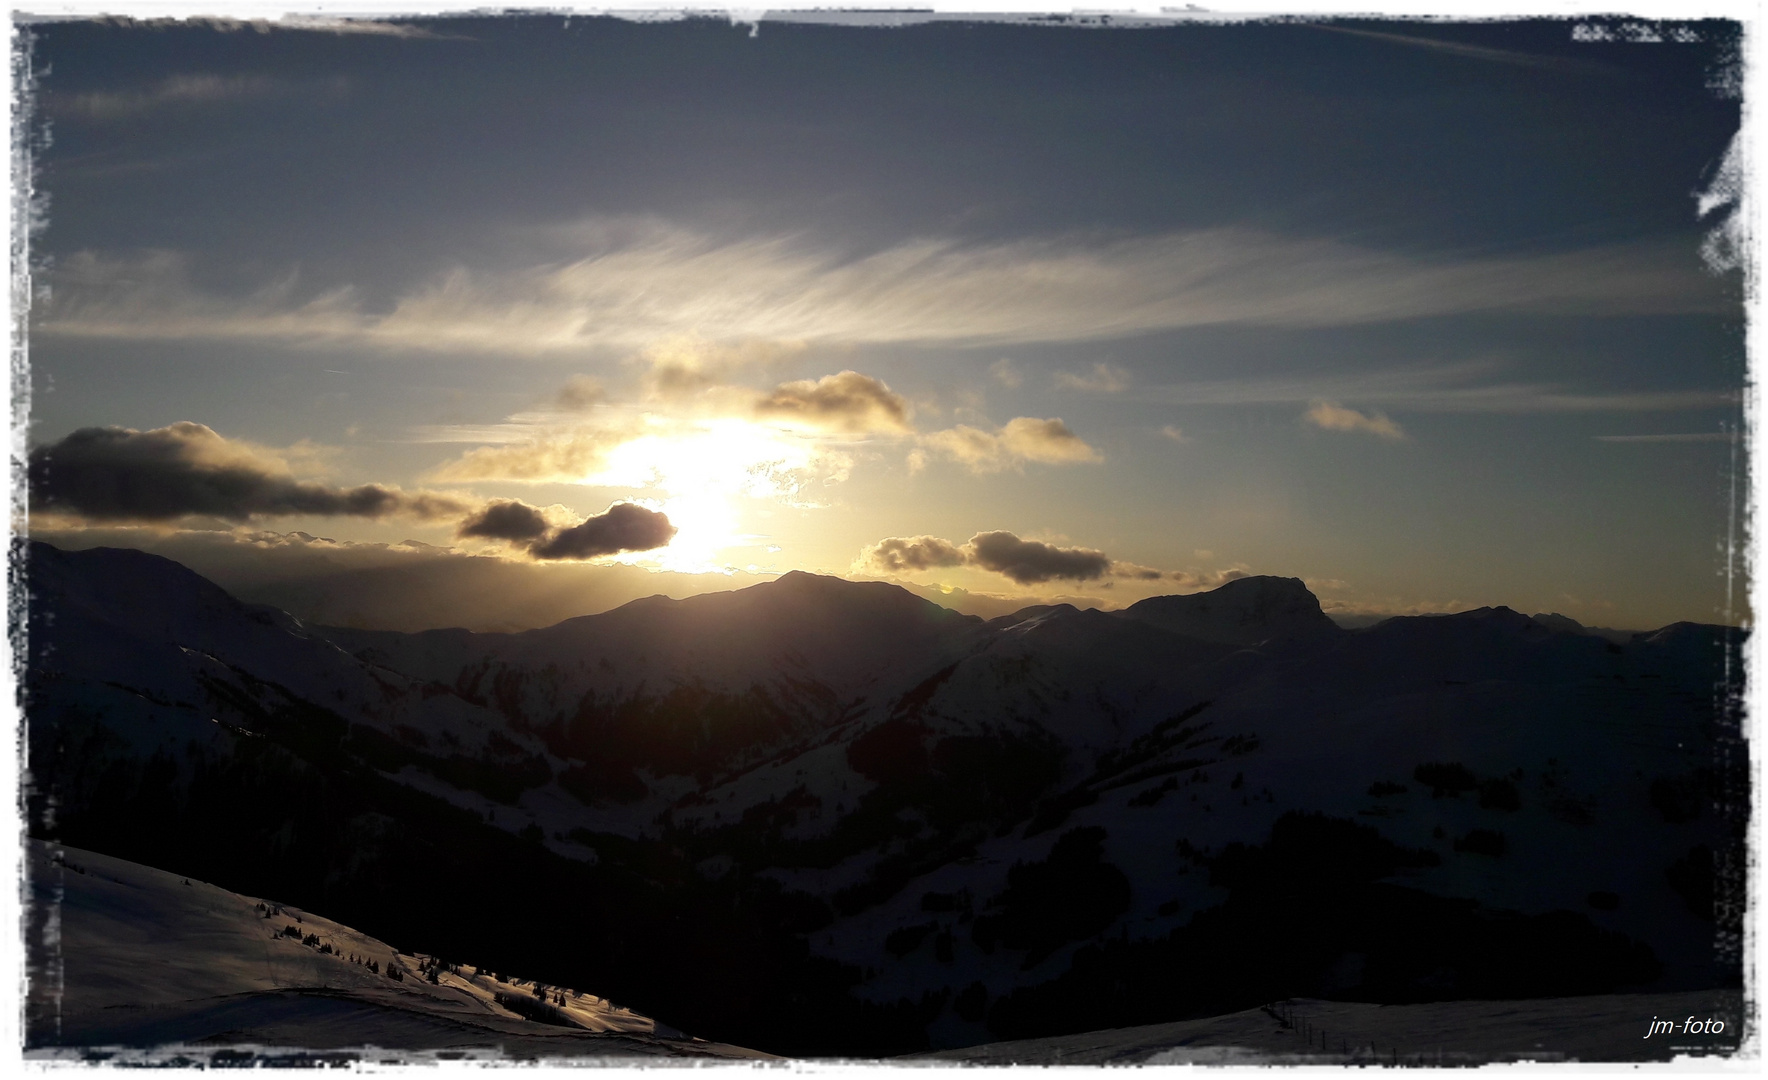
[126, 956]
[935, 830]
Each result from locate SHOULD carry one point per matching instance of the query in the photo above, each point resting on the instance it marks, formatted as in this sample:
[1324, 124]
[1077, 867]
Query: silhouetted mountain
[1245, 611]
[905, 827]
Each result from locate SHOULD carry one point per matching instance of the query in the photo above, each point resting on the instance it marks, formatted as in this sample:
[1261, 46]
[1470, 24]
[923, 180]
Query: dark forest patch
[1071, 895]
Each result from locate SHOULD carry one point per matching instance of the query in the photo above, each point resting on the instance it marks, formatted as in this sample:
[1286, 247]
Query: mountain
[822, 816]
[141, 958]
[1245, 611]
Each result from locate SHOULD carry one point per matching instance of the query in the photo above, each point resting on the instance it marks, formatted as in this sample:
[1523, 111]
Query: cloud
[120, 474]
[1206, 579]
[1335, 417]
[1480, 52]
[1006, 373]
[176, 90]
[579, 394]
[848, 402]
[327, 24]
[556, 457]
[898, 554]
[346, 24]
[1692, 436]
[1029, 562]
[1022, 439]
[1172, 431]
[1104, 379]
[1451, 388]
[1025, 562]
[681, 366]
[631, 286]
[624, 527]
[506, 519]
[188, 91]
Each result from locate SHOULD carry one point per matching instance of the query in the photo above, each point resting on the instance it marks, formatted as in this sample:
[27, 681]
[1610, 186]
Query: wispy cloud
[1019, 440]
[1102, 379]
[323, 24]
[538, 457]
[640, 286]
[184, 91]
[1332, 416]
[334, 24]
[1508, 57]
[1692, 436]
[1474, 387]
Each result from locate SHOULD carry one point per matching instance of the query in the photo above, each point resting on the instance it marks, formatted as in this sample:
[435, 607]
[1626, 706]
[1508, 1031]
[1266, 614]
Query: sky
[1433, 316]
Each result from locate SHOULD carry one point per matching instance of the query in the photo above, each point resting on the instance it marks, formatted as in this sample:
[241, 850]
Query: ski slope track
[818, 816]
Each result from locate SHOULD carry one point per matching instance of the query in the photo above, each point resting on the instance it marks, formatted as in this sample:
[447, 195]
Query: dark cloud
[898, 554]
[624, 527]
[848, 402]
[1029, 562]
[506, 519]
[1137, 573]
[1026, 562]
[120, 474]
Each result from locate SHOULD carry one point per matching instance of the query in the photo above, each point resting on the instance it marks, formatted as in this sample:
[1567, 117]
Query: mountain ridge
[891, 793]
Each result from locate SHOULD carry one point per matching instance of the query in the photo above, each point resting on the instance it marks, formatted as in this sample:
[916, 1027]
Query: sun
[704, 474]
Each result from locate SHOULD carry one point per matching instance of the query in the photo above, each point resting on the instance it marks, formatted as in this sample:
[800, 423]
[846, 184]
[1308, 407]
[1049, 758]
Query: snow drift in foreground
[123, 956]
[1608, 1027]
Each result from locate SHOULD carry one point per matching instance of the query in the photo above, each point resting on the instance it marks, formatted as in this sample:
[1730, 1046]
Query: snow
[1610, 1028]
[127, 955]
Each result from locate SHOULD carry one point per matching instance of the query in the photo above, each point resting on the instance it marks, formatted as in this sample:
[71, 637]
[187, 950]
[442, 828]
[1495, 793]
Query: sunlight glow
[702, 473]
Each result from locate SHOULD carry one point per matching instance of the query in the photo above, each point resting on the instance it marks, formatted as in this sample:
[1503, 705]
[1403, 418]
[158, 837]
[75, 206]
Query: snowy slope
[1607, 1028]
[118, 628]
[126, 955]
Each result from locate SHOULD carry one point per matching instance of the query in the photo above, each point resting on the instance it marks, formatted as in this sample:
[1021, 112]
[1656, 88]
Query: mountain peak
[1245, 611]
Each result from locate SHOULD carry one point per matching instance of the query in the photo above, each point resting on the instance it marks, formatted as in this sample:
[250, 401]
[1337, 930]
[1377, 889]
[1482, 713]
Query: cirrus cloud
[631, 287]
[1103, 379]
